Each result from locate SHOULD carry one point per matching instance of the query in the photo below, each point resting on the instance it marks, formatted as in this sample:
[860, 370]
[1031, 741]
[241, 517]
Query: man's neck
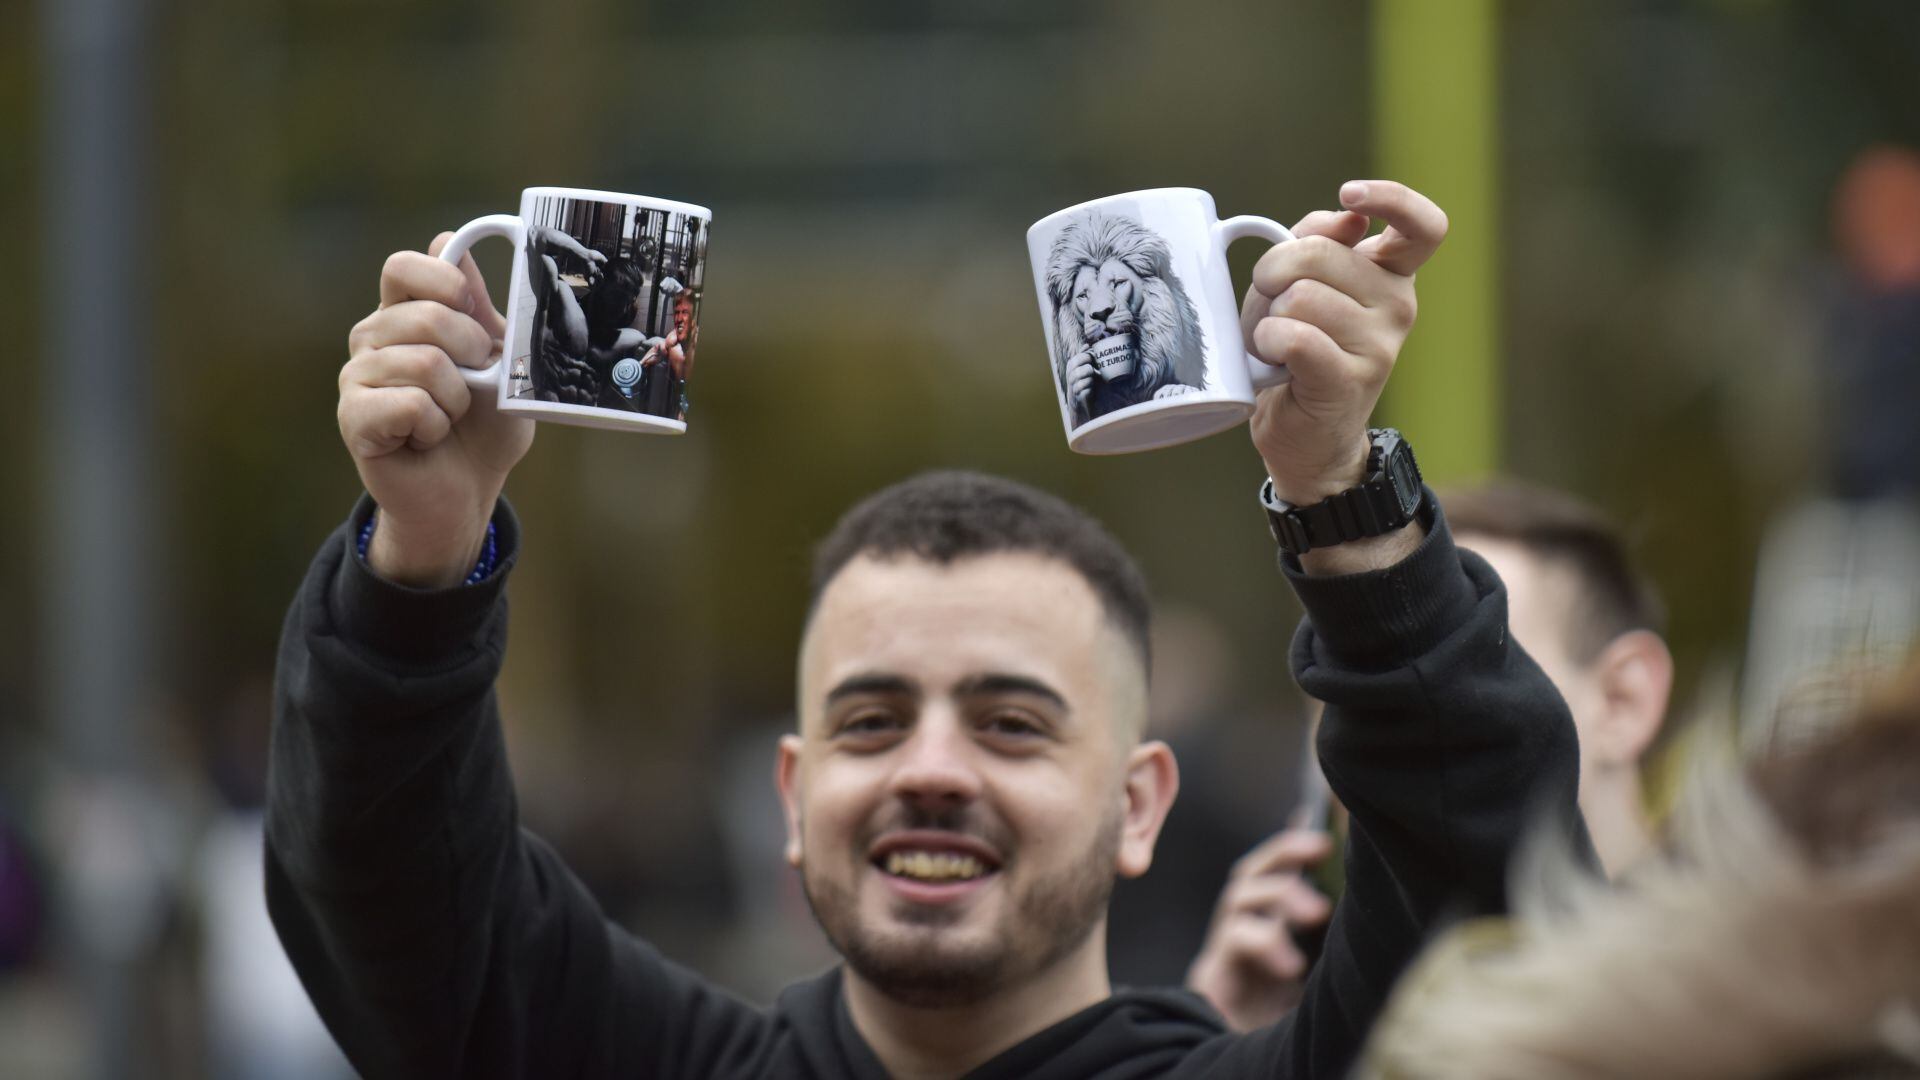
[1617, 822]
[941, 1043]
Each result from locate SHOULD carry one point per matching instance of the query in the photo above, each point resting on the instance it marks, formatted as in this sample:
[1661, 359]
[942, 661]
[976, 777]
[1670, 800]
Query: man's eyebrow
[872, 683]
[996, 684]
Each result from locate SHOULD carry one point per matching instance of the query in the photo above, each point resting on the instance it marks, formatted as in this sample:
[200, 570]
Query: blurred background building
[1657, 296]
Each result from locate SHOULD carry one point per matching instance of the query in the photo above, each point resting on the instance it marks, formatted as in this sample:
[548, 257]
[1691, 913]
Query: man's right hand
[1250, 969]
[433, 453]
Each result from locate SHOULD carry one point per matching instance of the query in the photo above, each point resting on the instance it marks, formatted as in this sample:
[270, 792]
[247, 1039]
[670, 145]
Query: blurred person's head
[612, 301]
[1876, 217]
[1579, 607]
[1779, 936]
[969, 775]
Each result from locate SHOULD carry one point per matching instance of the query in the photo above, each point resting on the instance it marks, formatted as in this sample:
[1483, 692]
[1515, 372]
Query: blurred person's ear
[786, 769]
[1153, 778]
[1635, 676]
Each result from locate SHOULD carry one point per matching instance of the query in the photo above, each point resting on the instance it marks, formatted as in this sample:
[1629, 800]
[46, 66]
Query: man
[669, 360]
[968, 775]
[577, 341]
[1588, 617]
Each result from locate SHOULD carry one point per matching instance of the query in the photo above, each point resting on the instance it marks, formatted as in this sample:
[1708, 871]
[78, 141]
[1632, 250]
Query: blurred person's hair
[1779, 936]
[949, 515]
[609, 305]
[1561, 530]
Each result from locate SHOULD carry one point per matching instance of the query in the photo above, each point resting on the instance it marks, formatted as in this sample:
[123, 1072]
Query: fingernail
[1352, 193]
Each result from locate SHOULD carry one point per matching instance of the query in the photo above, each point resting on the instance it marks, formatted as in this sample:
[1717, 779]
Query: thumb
[483, 311]
[479, 301]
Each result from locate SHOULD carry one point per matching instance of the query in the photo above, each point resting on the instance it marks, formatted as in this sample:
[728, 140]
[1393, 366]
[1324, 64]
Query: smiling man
[970, 772]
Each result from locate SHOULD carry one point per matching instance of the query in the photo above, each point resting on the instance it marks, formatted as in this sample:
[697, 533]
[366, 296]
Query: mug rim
[1215, 403]
[655, 202]
[1090, 203]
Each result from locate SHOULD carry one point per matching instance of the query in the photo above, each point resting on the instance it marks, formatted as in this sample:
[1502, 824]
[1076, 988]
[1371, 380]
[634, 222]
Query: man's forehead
[1007, 611]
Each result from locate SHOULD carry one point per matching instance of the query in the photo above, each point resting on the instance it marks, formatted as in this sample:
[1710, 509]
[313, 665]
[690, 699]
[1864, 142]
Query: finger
[1341, 316]
[1302, 348]
[1322, 259]
[413, 275]
[1257, 946]
[481, 302]
[378, 421]
[1344, 226]
[424, 366]
[1261, 896]
[1298, 904]
[1415, 224]
[424, 322]
[1287, 851]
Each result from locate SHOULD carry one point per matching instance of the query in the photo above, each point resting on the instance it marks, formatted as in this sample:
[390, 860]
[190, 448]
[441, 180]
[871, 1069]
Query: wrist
[1332, 474]
[436, 558]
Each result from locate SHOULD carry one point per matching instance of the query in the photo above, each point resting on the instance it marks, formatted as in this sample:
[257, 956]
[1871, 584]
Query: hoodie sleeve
[1444, 741]
[434, 936]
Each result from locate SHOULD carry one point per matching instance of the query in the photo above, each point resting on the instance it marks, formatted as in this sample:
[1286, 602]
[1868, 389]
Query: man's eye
[1014, 724]
[868, 723]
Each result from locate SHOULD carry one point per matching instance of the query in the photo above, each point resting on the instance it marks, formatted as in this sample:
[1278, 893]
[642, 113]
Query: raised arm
[1440, 736]
[434, 936]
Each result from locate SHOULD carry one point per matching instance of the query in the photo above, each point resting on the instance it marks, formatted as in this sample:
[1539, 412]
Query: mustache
[961, 820]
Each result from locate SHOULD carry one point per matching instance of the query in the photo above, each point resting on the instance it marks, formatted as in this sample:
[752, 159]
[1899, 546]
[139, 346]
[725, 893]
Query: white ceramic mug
[1142, 323]
[604, 310]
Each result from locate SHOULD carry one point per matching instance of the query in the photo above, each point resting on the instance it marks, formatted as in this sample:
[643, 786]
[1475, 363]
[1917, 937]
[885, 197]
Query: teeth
[933, 865]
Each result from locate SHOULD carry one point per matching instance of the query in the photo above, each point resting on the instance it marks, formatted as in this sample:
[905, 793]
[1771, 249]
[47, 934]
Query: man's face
[957, 797]
[1542, 599]
[683, 315]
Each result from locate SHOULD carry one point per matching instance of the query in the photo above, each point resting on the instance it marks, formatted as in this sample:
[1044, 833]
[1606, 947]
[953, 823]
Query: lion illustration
[1123, 329]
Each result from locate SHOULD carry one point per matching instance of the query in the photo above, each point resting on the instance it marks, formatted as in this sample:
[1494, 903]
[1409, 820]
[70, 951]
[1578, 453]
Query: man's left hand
[1335, 306]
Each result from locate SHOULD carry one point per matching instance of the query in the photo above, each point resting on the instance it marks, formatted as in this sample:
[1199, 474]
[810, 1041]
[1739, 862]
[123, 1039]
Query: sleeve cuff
[417, 626]
[1383, 618]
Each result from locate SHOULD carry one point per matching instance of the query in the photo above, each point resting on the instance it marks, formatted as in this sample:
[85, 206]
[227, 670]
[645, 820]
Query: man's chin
[927, 967]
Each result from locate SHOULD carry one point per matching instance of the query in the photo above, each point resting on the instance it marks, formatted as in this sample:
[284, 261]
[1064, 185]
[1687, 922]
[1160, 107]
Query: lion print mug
[1142, 324]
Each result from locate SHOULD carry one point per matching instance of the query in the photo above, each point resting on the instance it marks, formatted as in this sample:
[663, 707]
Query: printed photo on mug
[1122, 327]
[611, 293]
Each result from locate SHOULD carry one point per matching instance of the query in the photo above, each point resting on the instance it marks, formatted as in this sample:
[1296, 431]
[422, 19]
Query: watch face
[1405, 476]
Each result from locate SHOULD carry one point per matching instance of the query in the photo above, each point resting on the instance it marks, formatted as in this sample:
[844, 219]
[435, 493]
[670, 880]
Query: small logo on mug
[1120, 312]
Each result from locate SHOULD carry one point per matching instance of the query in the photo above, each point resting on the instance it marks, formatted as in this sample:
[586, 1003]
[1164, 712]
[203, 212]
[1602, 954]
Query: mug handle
[1259, 372]
[509, 226]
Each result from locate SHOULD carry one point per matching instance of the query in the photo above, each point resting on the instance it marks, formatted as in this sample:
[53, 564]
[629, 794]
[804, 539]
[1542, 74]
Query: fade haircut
[946, 516]
[1556, 528]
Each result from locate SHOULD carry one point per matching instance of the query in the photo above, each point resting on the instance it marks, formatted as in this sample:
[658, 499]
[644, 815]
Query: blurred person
[969, 773]
[1581, 609]
[1873, 370]
[578, 340]
[1777, 936]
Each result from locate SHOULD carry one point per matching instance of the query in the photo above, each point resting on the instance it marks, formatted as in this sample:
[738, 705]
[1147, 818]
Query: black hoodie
[437, 939]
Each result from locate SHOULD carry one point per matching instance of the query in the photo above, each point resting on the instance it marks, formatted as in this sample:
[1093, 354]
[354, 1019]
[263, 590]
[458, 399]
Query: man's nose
[936, 767]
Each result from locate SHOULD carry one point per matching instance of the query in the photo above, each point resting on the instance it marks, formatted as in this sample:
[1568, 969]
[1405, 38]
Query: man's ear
[1636, 679]
[1153, 778]
[786, 777]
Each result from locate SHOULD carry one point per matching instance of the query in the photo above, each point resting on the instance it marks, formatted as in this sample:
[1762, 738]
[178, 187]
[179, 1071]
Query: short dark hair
[949, 515]
[609, 305]
[1558, 528]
